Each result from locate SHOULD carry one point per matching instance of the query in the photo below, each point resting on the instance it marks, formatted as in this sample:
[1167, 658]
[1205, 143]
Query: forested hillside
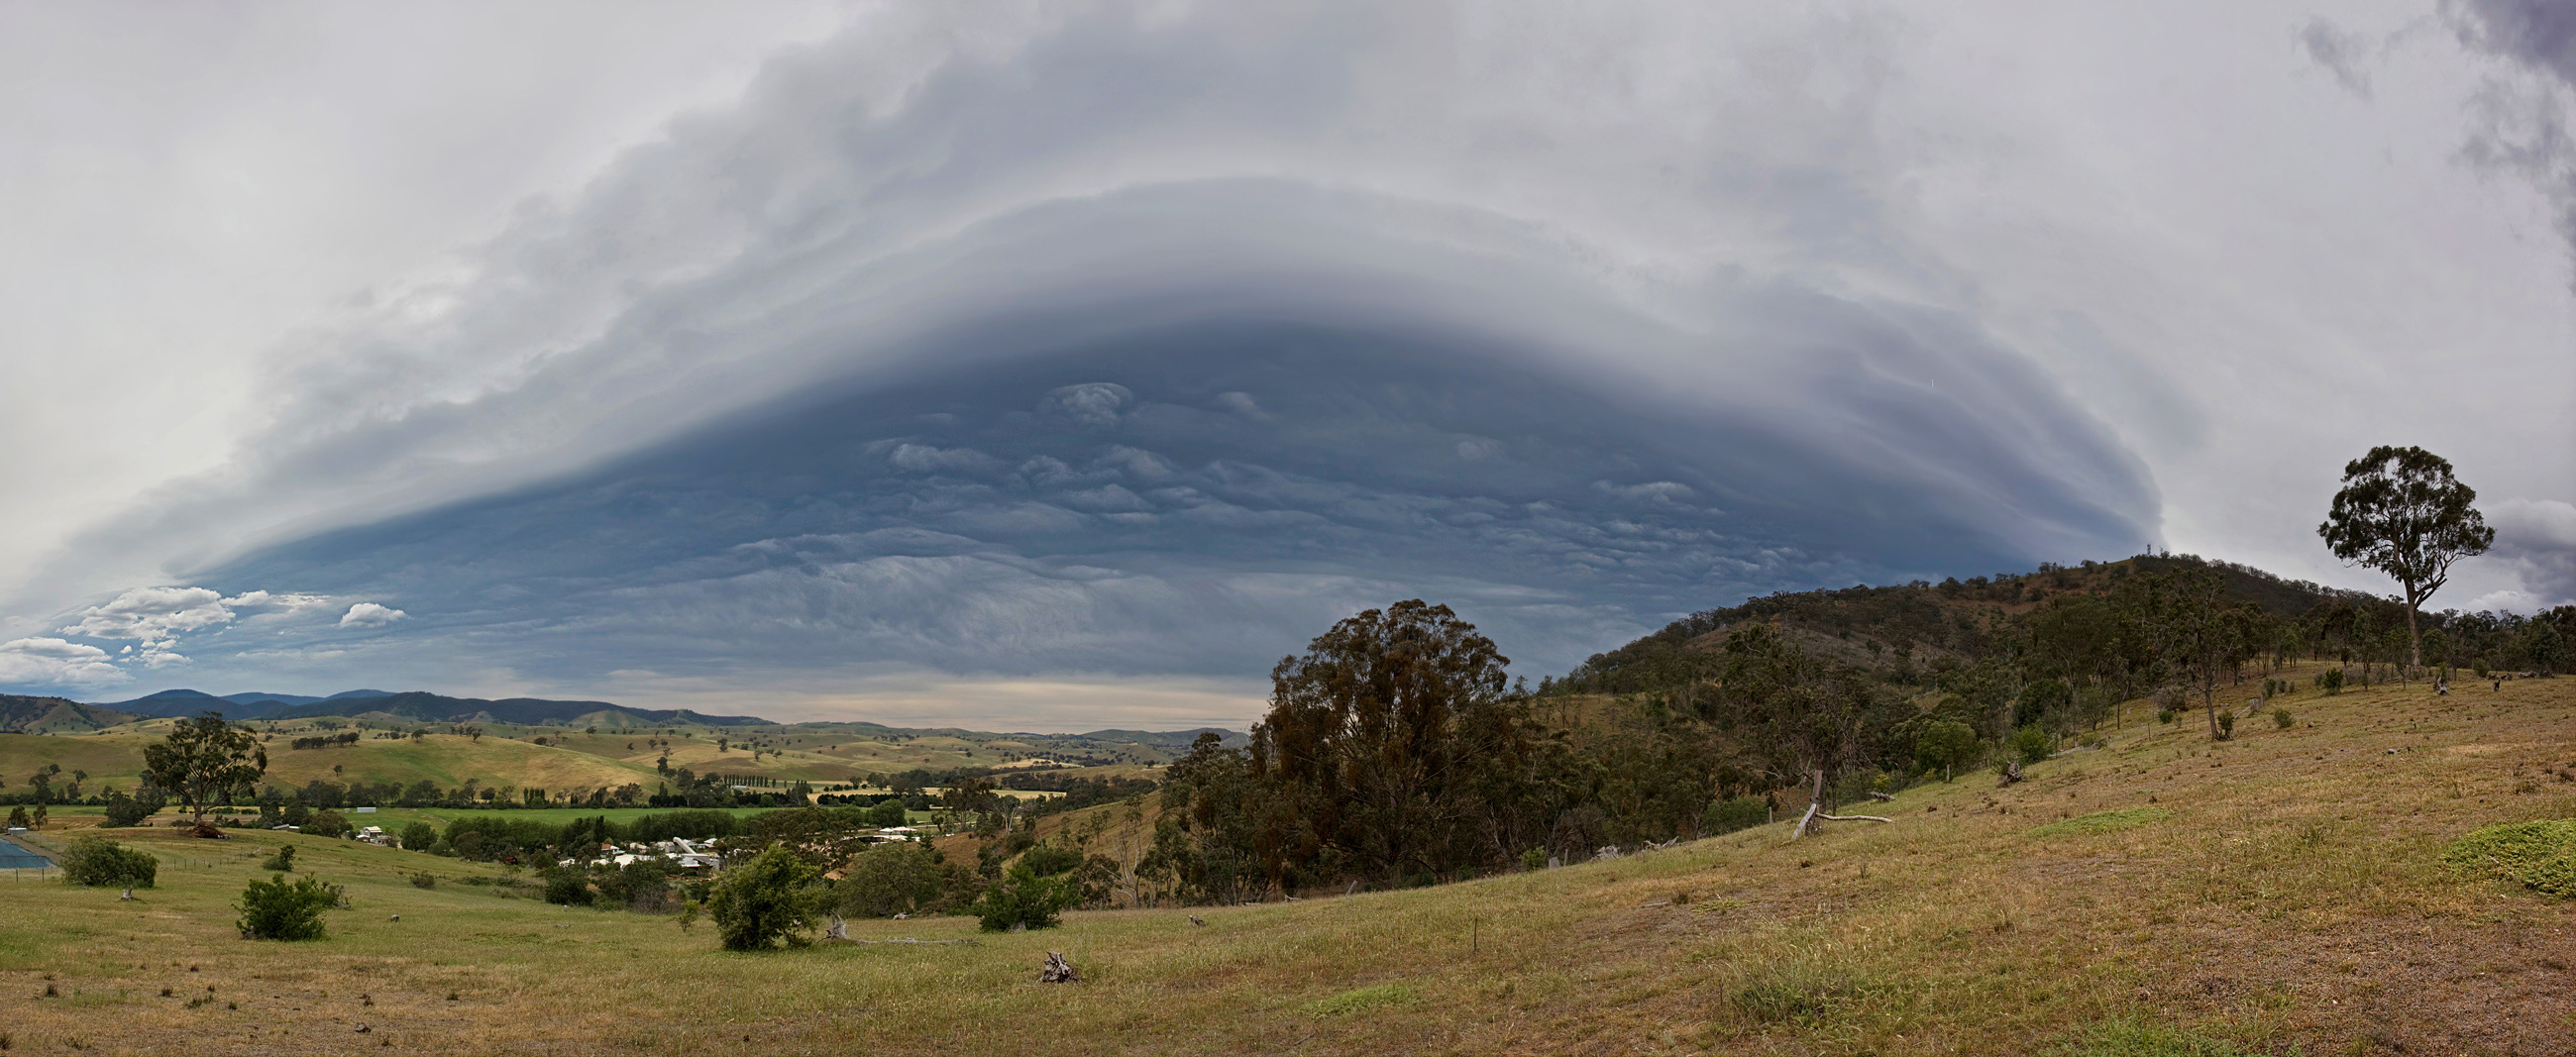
[1394, 752]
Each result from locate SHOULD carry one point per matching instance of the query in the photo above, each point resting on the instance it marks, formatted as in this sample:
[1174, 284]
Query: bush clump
[772, 898]
[567, 886]
[279, 909]
[1026, 900]
[98, 862]
[2032, 744]
[281, 862]
[2536, 855]
[123, 810]
[2281, 718]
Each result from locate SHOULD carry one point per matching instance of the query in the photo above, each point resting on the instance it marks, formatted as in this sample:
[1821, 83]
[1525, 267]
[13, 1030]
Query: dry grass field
[2281, 893]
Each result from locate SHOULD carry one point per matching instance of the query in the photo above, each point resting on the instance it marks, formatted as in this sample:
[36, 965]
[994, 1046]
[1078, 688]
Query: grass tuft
[2538, 855]
[2123, 1038]
[1363, 999]
[1800, 993]
[2103, 822]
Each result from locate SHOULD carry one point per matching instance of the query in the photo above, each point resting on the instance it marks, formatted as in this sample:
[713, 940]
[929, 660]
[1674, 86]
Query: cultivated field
[2280, 893]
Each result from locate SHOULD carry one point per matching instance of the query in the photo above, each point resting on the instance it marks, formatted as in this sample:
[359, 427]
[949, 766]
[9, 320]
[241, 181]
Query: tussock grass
[1805, 993]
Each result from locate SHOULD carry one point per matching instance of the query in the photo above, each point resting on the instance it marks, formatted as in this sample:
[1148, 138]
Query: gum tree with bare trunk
[2402, 512]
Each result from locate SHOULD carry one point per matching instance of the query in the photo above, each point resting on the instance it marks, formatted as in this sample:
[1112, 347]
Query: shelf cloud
[1111, 340]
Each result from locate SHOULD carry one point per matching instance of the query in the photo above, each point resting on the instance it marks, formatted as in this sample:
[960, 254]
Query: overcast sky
[1062, 365]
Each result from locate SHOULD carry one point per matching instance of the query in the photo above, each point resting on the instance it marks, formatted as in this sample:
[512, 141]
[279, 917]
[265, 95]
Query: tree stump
[1057, 970]
[840, 929]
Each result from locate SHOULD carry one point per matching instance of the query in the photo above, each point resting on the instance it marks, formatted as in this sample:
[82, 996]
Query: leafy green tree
[1946, 744]
[2195, 631]
[1026, 900]
[123, 810]
[2404, 513]
[1799, 721]
[887, 813]
[327, 824]
[419, 836]
[1378, 735]
[204, 759]
[771, 898]
[278, 909]
[98, 861]
[892, 879]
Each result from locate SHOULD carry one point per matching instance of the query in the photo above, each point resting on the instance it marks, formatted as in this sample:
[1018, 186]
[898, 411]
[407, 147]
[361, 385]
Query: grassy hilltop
[2283, 892]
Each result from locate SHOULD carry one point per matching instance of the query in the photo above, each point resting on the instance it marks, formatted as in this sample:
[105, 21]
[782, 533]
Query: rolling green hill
[54, 715]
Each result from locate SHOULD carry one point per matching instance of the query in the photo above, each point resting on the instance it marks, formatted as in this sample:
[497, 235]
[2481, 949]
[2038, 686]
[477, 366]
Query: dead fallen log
[2011, 773]
[1816, 812]
[1876, 795]
[920, 943]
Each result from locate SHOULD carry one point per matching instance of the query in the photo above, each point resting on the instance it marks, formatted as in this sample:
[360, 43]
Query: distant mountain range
[54, 715]
[415, 706]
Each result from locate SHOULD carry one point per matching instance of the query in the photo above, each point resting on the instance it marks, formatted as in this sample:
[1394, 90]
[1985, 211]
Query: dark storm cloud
[1143, 345]
[2518, 127]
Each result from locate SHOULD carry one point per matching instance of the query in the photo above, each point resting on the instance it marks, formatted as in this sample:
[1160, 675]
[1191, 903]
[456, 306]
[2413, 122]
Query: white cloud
[370, 615]
[290, 602]
[55, 662]
[924, 458]
[152, 614]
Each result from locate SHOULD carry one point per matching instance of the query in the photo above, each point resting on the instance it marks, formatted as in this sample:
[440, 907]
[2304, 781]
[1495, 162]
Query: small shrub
[1536, 858]
[2226, 724]
[2281, 719]
[278, 909]
[2331, 681]
[1025, 899]
[281, 862]
[100, 862]
[2165, 715]
[2537, 855]
[424, 880]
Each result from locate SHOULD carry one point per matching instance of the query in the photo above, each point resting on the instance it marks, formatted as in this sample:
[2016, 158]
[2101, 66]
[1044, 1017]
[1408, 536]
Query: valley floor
[2280, 893]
